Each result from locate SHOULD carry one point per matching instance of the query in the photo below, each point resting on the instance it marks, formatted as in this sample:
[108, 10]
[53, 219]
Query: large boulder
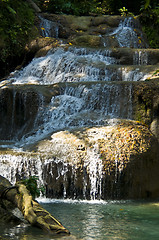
[103, 162]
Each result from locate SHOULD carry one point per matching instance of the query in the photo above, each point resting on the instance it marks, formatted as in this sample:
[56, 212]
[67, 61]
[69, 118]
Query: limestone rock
[126, 153]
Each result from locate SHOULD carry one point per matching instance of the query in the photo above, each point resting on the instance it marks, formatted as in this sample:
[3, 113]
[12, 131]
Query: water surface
[100, 220]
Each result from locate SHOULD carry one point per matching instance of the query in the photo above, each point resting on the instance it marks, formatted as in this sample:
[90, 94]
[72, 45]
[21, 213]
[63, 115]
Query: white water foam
[19, 165]
[73, 65]
[72, 201]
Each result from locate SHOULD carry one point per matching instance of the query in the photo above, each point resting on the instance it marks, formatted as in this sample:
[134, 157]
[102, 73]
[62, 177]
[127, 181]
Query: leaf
[11, 10]
[147, 4]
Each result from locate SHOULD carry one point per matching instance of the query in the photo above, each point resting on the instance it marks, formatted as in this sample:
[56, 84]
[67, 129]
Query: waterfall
[16, 167]
[140, 58]
[53, 111]
[48, 28]
[82, 105]
[128, 34]
[96, 173]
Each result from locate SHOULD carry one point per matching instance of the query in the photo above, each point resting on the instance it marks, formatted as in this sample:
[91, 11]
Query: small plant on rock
[124, 12]
[31, 184]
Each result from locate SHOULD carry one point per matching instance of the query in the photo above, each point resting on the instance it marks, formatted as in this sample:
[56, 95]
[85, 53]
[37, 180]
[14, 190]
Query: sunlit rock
[104, 162]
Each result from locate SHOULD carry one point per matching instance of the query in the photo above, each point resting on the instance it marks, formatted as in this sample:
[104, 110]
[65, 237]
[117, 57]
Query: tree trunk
[32, 211]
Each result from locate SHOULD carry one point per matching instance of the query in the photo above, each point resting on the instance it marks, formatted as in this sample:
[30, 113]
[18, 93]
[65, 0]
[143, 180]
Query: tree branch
[32, 211]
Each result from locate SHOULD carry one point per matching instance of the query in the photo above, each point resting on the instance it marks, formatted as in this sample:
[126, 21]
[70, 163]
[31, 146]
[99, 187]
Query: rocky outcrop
[39, 47]
[146, 104]
[72, 25]
[18, 111]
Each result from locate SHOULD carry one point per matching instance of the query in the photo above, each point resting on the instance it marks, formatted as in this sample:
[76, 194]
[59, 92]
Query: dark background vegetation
[17, 21]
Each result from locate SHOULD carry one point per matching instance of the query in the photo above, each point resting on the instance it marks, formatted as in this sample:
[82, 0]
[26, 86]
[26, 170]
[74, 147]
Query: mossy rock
[79, 23]
[4, 182]
[87, 40]
[112, 21]
[40, 46]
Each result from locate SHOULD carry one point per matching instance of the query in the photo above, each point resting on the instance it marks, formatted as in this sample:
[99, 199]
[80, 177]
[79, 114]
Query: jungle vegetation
[16, 21]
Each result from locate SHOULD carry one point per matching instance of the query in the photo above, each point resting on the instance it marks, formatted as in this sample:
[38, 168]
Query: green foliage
[86, 7]
[16, 20]
[152, 36]
[107, 7]
[147, 4]
[124, 12]
[32, 185]
[156, 72]
[81, 7]
[150, 22]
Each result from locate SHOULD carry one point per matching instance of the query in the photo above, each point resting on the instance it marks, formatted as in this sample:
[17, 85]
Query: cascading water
[127, 35]
[95, 170]
[70, 89]
[75, 65]
[140, 58]
[48, 28]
